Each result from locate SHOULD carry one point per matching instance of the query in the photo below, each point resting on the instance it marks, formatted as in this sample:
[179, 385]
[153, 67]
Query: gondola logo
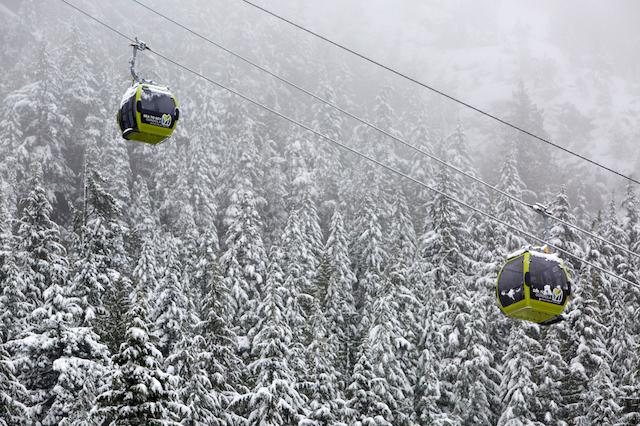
[557, 294]
[166, 120]
[548, 295]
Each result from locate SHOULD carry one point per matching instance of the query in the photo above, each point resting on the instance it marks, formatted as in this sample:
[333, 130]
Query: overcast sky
[586, 54]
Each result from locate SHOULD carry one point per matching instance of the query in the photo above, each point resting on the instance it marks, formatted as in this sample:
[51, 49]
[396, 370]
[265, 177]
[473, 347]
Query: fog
[568, 54]
[578, 60]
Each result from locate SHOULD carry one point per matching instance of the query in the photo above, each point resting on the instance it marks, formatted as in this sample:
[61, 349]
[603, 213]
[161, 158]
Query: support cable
[364, 156]
[413, 80]
[397, 139]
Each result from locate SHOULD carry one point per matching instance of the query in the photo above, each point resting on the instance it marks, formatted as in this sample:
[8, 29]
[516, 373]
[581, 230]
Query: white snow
[243, 343]
[532, 252]
[138, 334]
[130, 92]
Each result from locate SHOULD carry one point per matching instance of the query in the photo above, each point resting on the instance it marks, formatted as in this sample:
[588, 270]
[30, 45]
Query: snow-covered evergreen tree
[53, 355]
[244, 173]
[147, 269]
[273, 399]
[384, 118]
[202, 173]
[381, 147]
[588, 333]
[367, 250]
[389, 345]
[298, 156]
[581, 210]
[146, 272]
[14, 397]
[327, 121]
[40, 254]
[426, 409]
[365, 404]
[402, 233]
[457, 154]
[296, 262]
[173, 313]
[8, 190]
[444, 246]
[138, 391]
[540, 169]
[604, 408]
[470, 379]
[420, 166]
[326, 400]
[101, 280]
[311, 231]
[102, 258]
[244, 261]
[216, 354]
[14, 307]
[509, 210]
[564, 236]
[554, 373]
[41, 129]
[519, 387]
[142, 212]
[79, 92]
[194, 390]
[612, 230]
[631, 222]
[302, 249]
[335, 285]
[277, 203]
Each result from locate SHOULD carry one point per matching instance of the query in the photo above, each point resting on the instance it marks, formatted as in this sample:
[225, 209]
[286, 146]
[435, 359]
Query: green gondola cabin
[147, 114]
[534, 286]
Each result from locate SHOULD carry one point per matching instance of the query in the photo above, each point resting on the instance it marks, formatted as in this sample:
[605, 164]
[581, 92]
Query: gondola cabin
[147, 114]
[533, 286]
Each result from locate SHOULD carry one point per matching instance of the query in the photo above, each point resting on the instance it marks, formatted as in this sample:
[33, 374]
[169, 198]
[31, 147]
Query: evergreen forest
[248, 272]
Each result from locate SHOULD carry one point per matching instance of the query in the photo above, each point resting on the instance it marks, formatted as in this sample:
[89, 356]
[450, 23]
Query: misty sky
[582, 53]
